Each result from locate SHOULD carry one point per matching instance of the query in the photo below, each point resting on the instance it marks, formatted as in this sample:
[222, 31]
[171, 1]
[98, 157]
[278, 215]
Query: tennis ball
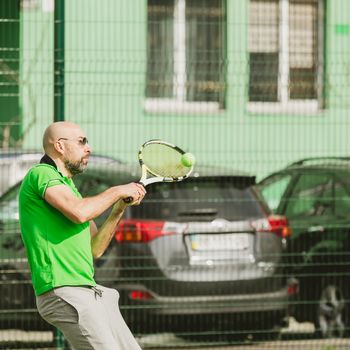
[188, 159]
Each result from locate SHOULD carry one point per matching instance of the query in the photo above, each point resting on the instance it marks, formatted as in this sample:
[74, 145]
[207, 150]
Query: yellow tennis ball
[188, 159]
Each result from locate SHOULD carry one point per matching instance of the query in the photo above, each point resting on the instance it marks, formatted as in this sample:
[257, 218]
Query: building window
[286, 52]
[186, 55]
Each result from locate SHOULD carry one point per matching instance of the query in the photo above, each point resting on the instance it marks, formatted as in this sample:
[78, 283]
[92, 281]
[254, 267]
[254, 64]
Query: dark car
[314, 194]
[195, 255]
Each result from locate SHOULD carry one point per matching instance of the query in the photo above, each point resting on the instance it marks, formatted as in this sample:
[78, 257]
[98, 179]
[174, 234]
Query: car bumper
[210, 304]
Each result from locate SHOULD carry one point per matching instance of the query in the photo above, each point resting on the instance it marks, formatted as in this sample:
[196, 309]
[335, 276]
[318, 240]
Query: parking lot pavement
[315, 344]
[296, 337]
[294, 331]
[15, 335]
[171, 342]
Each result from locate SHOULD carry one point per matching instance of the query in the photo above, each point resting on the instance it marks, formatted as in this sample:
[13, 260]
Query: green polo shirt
[58, 250]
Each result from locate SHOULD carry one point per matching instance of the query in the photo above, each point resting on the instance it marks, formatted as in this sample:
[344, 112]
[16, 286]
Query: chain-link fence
[253, 248]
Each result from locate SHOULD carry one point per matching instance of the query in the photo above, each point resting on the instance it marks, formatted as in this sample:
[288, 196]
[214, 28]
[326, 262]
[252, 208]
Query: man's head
[67, 145]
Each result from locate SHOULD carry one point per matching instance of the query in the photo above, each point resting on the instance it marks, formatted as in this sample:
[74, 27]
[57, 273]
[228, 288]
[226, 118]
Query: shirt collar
[48, 160]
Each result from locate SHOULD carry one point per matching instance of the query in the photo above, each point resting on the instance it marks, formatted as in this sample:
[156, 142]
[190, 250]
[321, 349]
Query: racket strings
[163, 160]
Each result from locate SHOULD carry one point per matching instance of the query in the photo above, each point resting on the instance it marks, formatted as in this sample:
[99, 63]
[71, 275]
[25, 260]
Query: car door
[312, 210]
[309, 205]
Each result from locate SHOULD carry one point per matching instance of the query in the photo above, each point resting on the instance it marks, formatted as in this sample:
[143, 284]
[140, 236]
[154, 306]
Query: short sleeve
[43, 176]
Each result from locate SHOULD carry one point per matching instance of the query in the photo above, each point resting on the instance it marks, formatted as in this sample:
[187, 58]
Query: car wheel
[330, 319]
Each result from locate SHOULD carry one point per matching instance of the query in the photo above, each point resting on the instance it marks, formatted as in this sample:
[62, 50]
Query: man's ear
[59, 147]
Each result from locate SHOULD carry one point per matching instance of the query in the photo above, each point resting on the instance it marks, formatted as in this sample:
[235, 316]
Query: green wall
[9, 73]
[36, 87]
[105, 77]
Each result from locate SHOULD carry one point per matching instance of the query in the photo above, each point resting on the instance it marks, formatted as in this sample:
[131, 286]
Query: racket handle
[130, 199]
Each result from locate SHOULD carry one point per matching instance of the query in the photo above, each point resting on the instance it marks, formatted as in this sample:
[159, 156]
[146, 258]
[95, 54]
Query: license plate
[219, 242]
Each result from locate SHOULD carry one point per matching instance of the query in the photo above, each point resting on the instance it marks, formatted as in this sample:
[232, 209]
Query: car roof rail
[318, 159]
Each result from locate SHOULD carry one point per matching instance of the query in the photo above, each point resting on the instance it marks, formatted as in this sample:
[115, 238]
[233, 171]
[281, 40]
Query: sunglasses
[82, 141]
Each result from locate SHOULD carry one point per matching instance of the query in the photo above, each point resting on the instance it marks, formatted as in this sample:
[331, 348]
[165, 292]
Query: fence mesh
[252, 251]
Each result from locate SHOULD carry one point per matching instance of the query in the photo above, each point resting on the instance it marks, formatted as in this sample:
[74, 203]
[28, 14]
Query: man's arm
[101, 238]
[81, 210]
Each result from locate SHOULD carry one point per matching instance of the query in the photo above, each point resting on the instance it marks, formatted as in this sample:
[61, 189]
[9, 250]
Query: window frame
[285, 104]
[178, 103]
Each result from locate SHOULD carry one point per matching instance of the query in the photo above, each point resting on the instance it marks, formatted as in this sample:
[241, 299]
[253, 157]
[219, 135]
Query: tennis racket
[161, 161]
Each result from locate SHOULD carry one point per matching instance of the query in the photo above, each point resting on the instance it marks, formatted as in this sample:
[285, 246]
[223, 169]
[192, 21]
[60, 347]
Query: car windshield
[199, 199]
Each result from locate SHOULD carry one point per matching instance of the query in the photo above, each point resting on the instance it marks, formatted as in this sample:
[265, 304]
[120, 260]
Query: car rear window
[200, 200]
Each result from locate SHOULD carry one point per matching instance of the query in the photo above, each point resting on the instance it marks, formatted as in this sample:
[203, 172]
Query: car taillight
[140, 295]
[276, 224]
[293, 286]
[138, 231]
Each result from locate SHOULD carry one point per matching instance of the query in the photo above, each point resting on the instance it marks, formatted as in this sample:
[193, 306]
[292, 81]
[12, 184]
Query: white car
[14, 164]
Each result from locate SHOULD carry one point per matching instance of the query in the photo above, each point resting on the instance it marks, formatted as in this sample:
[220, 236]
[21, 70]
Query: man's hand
[134, 190]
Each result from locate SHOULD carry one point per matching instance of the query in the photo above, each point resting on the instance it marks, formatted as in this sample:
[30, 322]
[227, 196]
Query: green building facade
[249, 84]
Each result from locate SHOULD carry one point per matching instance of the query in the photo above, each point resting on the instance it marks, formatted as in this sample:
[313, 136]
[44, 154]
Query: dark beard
[74, 168]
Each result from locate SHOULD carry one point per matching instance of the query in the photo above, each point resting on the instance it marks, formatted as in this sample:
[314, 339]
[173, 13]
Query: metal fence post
[59, 48]
[59, 341]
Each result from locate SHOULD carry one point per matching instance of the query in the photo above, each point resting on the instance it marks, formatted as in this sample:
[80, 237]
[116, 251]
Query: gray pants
[89, 318]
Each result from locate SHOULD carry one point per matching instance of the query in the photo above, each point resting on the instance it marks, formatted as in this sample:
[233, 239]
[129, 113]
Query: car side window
[342, 200]
[313, 195]
[273, 190]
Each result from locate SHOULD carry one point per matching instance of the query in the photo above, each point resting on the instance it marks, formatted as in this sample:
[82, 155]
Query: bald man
[61, 241]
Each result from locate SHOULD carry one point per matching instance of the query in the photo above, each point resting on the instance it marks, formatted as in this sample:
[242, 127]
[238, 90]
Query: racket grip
[128, 200]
